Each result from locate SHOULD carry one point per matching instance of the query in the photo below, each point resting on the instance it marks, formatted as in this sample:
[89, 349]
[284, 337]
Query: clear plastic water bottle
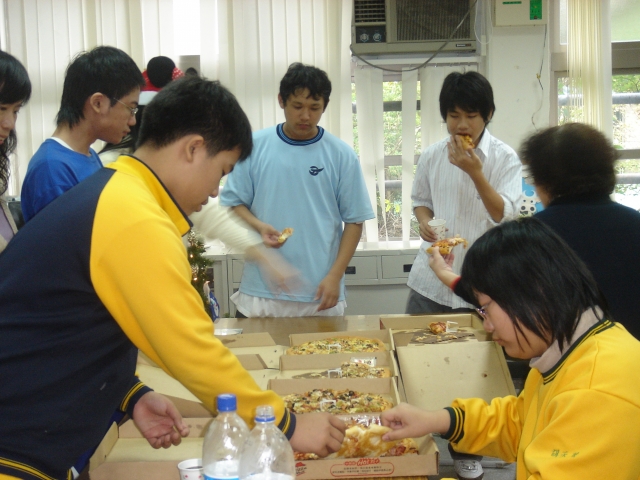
[267, 454]
[223, 441]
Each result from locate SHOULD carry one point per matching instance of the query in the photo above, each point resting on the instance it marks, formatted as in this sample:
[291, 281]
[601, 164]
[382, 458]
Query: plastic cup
[438, 226]
[191, 469]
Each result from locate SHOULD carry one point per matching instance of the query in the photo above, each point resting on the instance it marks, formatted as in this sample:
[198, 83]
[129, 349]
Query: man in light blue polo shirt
[300, 176]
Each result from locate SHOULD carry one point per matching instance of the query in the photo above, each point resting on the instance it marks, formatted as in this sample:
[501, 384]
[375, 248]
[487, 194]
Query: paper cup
[191, 469]
[438, 226]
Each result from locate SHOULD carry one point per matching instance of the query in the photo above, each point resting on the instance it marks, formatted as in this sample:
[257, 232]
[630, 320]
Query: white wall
[512, 62]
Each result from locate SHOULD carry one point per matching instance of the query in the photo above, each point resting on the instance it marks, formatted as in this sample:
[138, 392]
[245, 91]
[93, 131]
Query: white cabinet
[383, 289]
[376, 278]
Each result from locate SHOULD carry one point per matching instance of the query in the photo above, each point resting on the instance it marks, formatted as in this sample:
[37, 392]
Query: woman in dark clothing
[572, 167]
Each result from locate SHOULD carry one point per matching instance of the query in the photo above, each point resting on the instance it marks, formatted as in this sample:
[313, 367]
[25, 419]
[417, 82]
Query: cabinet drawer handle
[406, 268]
[351, 270]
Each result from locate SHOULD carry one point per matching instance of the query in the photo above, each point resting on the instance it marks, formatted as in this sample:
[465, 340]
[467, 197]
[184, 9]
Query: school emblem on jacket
[315, 170]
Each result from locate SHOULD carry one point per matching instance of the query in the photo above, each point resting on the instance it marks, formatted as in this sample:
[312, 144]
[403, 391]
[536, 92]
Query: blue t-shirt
[53, 170]
[312, 186]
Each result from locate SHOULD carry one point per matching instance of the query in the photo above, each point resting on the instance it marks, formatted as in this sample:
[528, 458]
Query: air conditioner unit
[382, 27]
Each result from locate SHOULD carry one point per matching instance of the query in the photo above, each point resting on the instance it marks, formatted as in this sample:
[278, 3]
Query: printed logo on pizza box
[301, 468]
[371, 467]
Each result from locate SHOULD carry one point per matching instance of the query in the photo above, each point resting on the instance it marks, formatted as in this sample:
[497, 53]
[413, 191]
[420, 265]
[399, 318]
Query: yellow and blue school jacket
[97, 275]
[579, 419]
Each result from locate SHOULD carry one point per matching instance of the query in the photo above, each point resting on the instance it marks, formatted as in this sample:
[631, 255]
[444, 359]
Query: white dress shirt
[451, 195]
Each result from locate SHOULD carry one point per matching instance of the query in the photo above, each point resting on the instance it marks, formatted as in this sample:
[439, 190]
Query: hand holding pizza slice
[286, 233]
[445, 245]
[364, 439]
[467, 142]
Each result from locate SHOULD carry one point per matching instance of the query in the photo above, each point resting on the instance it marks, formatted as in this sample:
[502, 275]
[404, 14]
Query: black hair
[160, 71]
[193, 105]
[15, 86]
[299, 77]
[571, 159]
[468, 91]
[191, 71]
[534, 276]
[104, 69]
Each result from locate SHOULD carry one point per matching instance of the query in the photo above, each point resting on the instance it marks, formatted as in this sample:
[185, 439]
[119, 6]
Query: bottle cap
[227, 402]
[264, 413]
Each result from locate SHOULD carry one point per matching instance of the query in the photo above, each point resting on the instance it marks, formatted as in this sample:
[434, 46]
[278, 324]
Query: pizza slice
[437, 327]
[467, 142]
[446, 244]
[286, 233]
[365, 440]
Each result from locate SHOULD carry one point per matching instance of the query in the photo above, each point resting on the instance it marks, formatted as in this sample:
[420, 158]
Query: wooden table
[281, 328]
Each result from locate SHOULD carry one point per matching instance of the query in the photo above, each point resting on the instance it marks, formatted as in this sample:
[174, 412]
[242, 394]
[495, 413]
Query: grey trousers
[417, 304]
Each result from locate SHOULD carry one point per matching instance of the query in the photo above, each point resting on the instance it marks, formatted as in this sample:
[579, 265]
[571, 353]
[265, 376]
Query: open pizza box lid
[404, 327]
[294, 365]
[270, 355]
[241, 340]
[433, 376]
[123, 458]
[300, 338]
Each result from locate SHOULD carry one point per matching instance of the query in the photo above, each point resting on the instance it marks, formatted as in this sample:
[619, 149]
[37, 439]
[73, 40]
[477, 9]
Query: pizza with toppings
[286, 233]
[336, 401]
[467, 142]
[338, 345]
[365, 440]
[350, 370]
[446, 244]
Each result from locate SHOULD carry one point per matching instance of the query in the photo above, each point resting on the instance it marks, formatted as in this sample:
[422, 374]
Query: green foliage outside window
[626, 125]
[392, 92]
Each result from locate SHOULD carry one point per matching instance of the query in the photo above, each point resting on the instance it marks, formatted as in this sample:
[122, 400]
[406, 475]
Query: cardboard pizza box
[433, 376]
[404, 327]
[187, 403]
[295, 365]
[425, 463]
[243, 340]
[228, 339]
[299, 338]
[269, 361]
[124, 458]
[270, 355]
[197, 428]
